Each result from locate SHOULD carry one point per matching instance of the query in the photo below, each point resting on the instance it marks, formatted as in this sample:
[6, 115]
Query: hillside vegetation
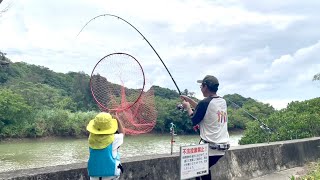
[37, 102]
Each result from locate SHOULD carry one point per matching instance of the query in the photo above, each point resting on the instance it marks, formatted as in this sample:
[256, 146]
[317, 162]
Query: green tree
[57, 96]
[188, 93]
[316, 77]
[165, 93]
[298, 120]
[4, 61]
[242, 110]
[4, 67]
[80, 91]
[168, 113]
[59, 122]
[14, 112]
[3, 74]
[235, 98]
[41, 96]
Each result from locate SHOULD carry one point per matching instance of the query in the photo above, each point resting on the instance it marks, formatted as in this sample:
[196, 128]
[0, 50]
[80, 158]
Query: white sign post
[194, 161]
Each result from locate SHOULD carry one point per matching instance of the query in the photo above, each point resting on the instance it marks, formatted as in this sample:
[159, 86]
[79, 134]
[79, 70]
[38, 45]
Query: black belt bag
[217, 146]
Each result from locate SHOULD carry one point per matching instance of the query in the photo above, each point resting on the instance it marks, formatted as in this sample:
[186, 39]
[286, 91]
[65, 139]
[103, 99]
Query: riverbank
[241, 162]
[33, 153]
[39, 139]
[17, 140]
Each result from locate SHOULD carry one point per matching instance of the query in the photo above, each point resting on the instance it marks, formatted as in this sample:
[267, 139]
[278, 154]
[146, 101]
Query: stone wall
[245, 162]
[241, 162]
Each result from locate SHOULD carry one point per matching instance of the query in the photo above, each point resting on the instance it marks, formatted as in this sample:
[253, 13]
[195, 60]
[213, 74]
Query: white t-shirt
[118, 140]
[211, 115]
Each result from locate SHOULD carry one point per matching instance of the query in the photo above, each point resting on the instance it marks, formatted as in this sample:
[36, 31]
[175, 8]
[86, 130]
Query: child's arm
[120, 127]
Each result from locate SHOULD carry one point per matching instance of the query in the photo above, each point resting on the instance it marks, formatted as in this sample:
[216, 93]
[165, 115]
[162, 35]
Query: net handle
[117, 109]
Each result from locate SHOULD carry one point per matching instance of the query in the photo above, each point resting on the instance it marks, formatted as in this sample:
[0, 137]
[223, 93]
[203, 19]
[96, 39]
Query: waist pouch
[217, 146]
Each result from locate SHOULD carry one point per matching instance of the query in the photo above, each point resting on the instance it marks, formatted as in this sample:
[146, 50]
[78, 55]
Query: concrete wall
[242, 162]
[250, 161]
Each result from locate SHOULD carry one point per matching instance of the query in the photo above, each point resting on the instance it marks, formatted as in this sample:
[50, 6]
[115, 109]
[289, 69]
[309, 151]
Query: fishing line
[262, 125]
[111, 15]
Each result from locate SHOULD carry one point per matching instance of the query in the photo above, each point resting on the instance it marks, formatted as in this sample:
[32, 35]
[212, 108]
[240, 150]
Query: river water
[33, 153]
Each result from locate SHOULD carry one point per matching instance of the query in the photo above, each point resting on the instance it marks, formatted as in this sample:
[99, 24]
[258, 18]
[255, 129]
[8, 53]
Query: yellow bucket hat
[103, 123]
[102, 129]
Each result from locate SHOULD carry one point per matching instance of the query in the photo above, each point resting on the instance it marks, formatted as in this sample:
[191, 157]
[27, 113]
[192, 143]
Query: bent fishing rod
[264, 126]
[112, 15]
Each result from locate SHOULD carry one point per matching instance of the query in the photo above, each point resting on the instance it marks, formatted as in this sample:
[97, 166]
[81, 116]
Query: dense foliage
[298, 120]
[316, 77]
[243, 110]
[37, 102]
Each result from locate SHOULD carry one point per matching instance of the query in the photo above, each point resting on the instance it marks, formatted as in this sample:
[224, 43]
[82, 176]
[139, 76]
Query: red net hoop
[117, 84]
[110, 78]
[141, 116]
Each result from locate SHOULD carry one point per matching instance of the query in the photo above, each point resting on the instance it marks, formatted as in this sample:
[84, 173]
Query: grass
[313, 172]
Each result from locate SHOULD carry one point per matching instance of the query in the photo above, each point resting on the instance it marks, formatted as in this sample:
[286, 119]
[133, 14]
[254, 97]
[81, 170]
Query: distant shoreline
[26, 139]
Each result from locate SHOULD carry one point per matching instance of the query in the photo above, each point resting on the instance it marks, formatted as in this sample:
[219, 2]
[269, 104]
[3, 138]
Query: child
[104, 158]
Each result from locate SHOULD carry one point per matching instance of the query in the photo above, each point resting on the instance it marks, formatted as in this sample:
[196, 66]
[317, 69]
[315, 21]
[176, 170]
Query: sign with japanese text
[194, 161]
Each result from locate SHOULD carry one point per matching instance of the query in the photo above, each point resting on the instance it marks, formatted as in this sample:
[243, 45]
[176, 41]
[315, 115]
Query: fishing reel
[180, 107]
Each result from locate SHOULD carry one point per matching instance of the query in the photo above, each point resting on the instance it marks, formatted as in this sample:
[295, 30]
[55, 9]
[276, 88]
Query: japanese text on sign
[194, 161]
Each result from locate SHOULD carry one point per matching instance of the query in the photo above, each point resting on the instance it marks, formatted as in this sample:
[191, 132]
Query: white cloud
[182, 15]
[278, 104]
[295, 66]
[258, 51]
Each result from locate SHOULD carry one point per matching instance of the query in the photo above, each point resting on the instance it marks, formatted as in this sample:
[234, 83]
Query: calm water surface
[50, 152]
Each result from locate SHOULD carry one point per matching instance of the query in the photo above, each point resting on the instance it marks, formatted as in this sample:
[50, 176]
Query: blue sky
[265, 50]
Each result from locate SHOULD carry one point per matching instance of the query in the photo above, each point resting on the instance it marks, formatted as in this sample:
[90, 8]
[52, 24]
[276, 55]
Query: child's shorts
[105, 178]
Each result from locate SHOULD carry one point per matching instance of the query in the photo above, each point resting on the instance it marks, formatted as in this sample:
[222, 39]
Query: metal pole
[172, 136]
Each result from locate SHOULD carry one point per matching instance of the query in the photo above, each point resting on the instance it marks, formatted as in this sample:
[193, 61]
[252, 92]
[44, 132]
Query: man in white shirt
[210, 115]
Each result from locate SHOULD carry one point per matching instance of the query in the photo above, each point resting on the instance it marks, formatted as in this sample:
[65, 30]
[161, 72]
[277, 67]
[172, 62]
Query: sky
[266, 50]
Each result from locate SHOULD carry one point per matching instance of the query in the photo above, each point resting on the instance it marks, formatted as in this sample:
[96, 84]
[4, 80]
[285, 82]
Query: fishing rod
[262, 125]
[111, 15]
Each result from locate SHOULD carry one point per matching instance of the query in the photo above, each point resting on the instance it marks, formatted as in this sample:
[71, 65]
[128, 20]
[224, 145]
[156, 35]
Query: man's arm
[186, 105]
[198, 114]
[189, 100]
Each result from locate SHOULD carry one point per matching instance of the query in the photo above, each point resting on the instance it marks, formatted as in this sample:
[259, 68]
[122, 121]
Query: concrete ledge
[241, 162]
[249, 161]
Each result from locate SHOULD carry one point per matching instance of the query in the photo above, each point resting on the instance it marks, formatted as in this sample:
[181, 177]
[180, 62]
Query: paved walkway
[283, 175]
